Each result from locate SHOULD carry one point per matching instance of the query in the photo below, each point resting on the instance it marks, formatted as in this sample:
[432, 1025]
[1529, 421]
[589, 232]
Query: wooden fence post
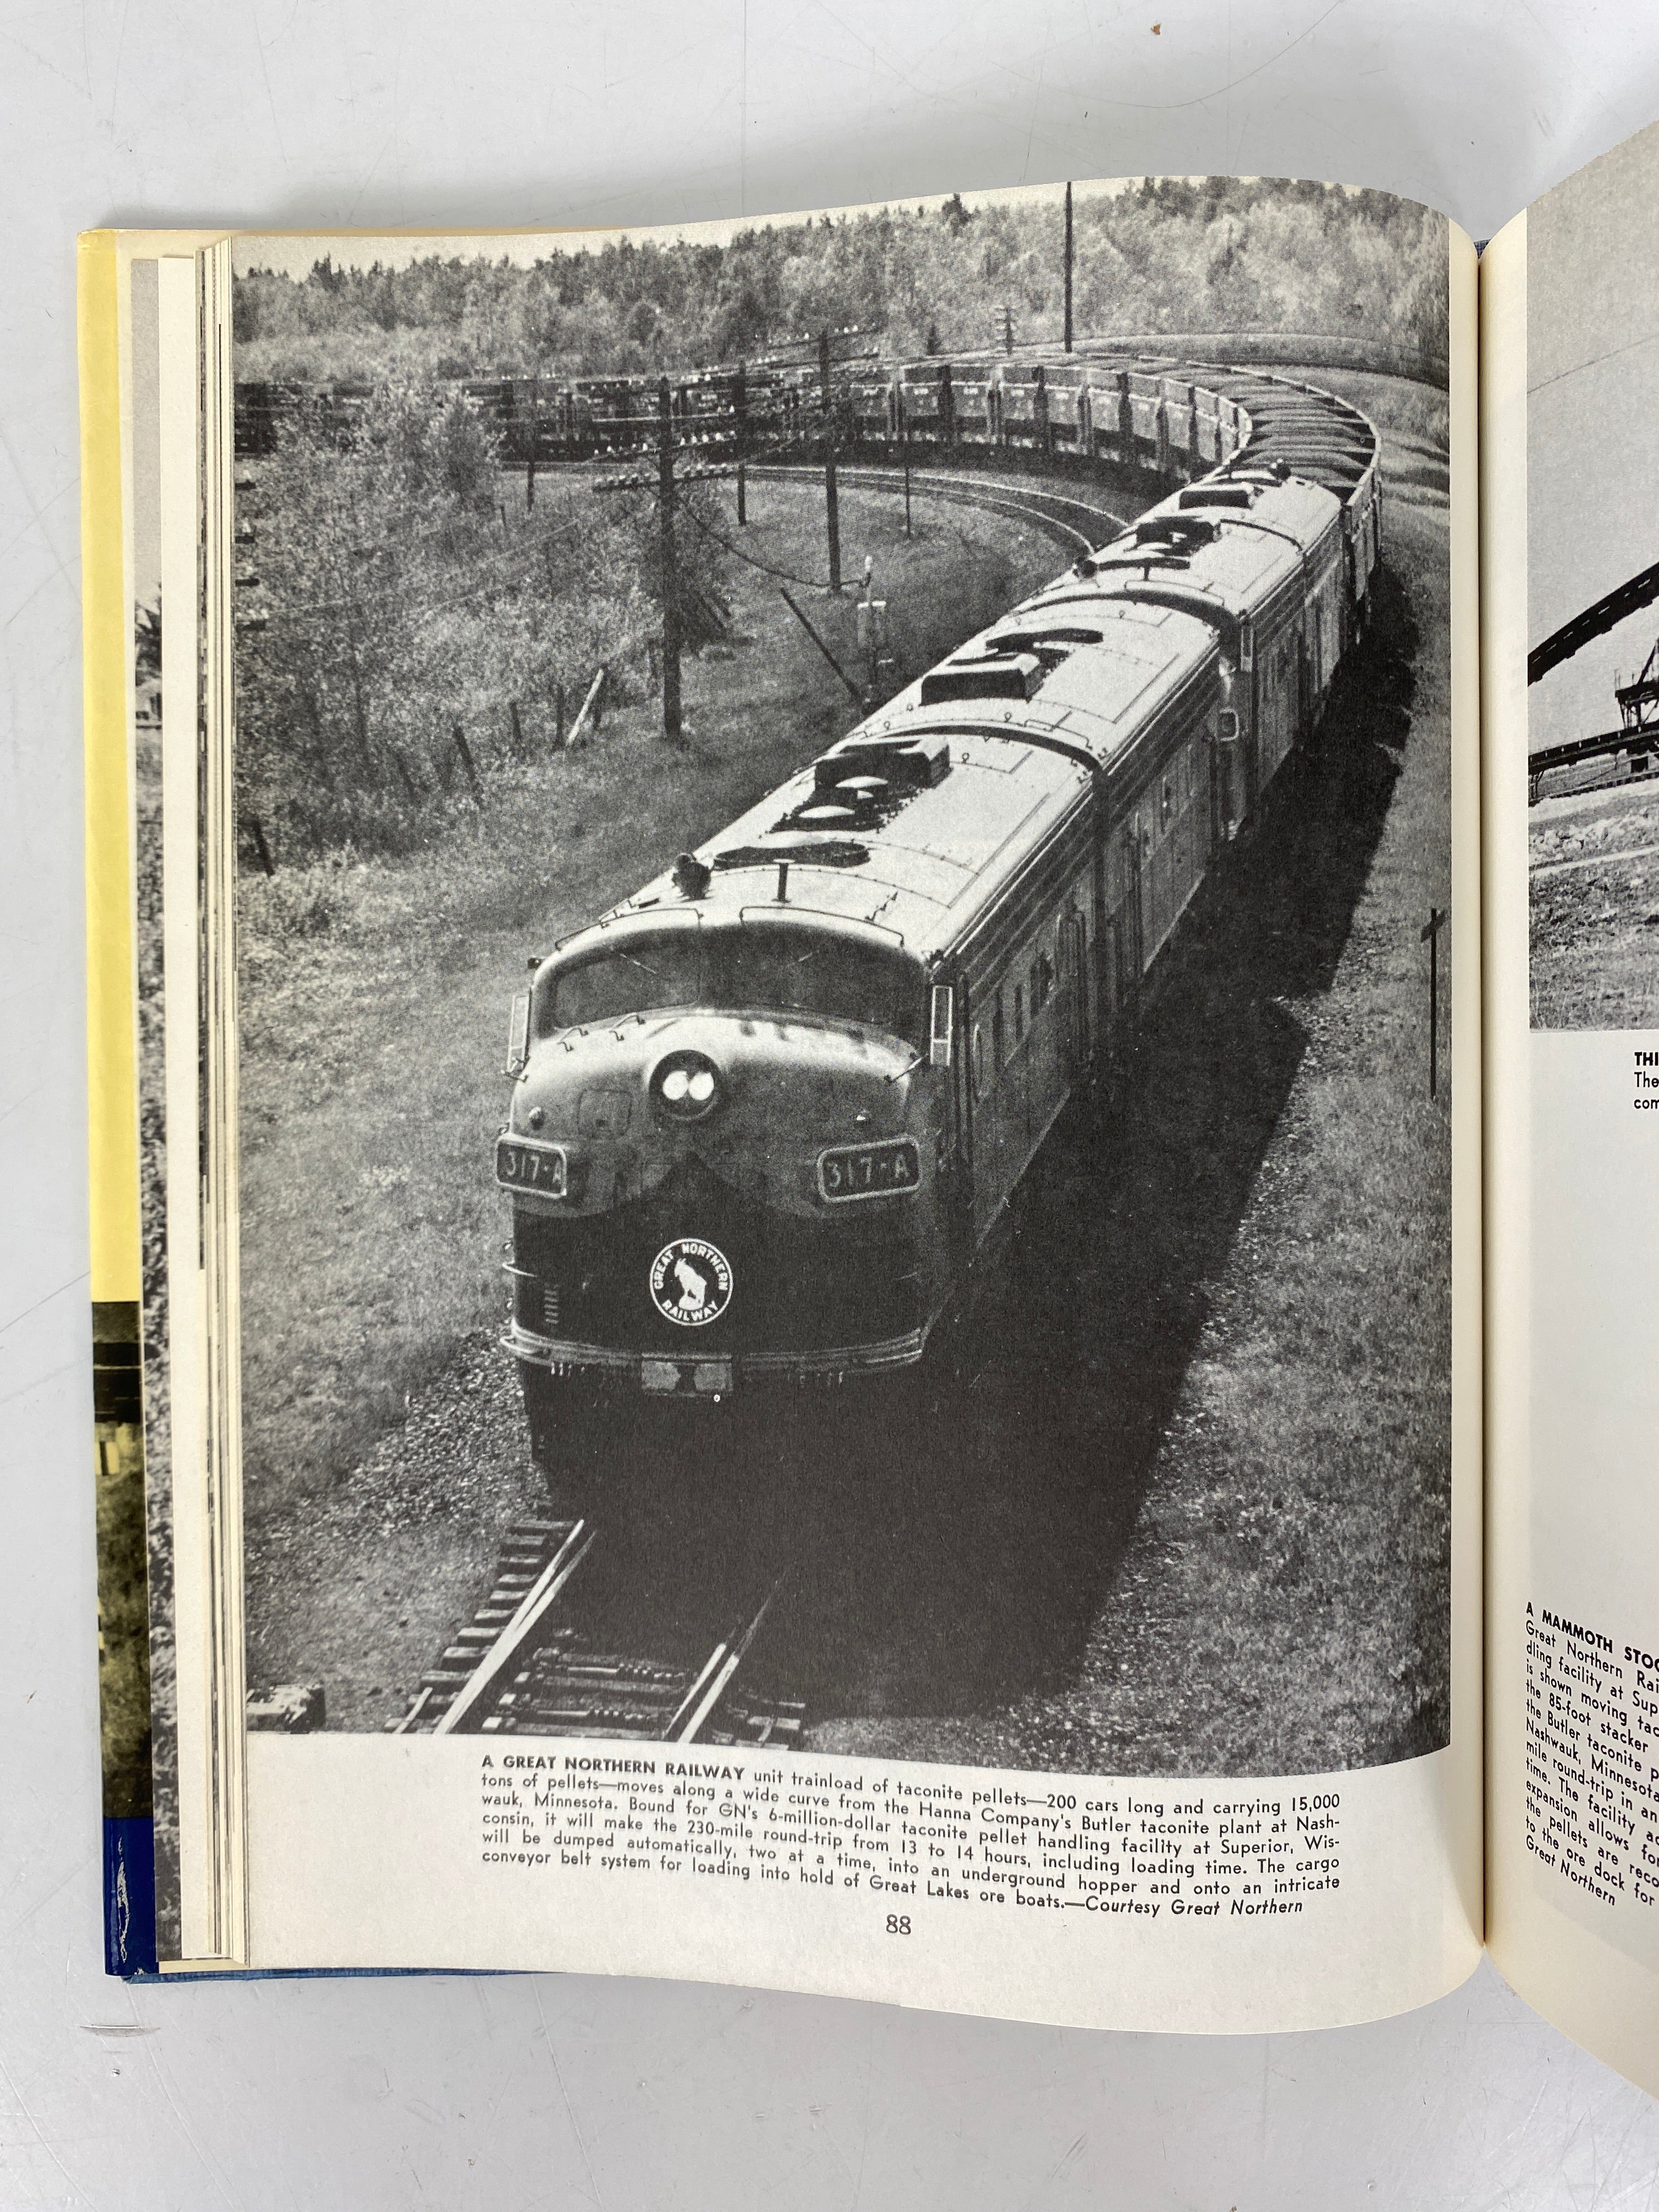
[464, 752]
[558, 718]
[588, 706]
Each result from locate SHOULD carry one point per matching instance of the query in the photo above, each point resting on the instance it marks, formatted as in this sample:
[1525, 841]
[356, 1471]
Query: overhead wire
[753, 560]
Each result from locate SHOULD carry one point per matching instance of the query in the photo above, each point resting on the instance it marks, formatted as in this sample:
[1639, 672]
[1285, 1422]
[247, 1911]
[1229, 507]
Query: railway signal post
[872, 634]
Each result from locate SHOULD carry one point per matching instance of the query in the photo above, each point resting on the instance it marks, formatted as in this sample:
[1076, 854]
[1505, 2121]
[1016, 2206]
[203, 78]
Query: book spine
[130, 1896]
[113, 1139]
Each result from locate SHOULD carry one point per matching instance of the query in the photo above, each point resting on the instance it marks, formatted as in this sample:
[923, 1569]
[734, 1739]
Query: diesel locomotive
[769, 1109]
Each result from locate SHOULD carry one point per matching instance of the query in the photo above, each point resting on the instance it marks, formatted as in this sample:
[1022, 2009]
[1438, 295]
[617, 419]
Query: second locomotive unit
[769, 1109]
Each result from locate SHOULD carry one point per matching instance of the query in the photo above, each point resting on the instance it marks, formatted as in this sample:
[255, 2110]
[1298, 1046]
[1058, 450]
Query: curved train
[769, 1109]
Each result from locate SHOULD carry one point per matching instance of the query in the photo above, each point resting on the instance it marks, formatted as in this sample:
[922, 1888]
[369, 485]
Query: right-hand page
[1569, 469]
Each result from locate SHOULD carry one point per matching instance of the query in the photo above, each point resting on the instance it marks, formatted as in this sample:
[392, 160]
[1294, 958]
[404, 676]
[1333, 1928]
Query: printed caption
[1592, 1776]
[1142, 1852]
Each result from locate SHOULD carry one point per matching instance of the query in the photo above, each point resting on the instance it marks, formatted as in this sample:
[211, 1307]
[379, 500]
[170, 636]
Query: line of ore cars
[768, 1110]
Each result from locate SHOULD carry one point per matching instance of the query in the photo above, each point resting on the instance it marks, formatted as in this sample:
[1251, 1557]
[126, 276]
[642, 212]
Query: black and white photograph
[1593, 590]
[843, 908]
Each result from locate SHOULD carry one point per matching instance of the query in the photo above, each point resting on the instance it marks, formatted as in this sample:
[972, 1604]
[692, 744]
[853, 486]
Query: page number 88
[898, 1924]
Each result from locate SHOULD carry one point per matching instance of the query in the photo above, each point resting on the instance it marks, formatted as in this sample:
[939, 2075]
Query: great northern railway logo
[690, 1282]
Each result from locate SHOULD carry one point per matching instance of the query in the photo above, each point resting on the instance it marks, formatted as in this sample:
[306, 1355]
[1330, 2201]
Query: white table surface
[553, 2091]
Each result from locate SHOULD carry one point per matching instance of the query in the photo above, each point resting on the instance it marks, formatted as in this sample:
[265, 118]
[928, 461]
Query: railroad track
[523, 1666]
[1080, 525]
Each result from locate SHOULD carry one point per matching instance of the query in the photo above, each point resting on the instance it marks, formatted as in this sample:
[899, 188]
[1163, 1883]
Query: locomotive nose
[686, 1085]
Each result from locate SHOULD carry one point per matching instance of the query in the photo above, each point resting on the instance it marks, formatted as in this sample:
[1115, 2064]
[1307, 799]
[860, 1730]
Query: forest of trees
[389, 596]
[1170, 255]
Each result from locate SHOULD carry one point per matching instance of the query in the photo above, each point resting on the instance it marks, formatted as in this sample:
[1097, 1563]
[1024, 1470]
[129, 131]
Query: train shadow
[946, 1539]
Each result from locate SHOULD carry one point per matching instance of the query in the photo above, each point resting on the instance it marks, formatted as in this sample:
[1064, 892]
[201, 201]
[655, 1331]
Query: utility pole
[1068, 267]
[535, 436]
[831, 504]
[671, 613]
[741, 433]
[905, 418]
[666, 487]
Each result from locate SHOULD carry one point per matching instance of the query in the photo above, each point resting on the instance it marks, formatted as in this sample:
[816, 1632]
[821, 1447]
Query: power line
[754, 561]
[499, 581]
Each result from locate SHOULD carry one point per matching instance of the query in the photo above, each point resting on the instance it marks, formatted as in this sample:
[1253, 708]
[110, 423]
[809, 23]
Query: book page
[1570, 455]
[167, 1844]
[859, 973]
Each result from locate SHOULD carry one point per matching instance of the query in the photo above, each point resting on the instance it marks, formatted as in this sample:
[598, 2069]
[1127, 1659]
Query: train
[767, 1111]
[1097, 403]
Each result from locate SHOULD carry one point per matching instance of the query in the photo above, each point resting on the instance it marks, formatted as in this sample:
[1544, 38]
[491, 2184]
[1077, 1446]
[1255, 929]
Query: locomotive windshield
[788, 971]
[757, 967]
[647, 973]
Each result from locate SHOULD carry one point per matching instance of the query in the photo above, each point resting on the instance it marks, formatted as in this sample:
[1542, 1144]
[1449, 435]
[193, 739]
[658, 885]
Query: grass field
[1594, 899]
[375, 994]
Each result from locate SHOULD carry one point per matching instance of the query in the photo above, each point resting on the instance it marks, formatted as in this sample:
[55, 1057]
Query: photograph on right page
[1591, 1167]
[1592, 627]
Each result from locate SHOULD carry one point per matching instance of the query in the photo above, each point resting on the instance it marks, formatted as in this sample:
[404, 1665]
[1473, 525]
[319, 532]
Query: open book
[799, 1256]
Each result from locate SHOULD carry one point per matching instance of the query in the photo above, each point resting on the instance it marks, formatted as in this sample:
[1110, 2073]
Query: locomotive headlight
[687, 1085]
